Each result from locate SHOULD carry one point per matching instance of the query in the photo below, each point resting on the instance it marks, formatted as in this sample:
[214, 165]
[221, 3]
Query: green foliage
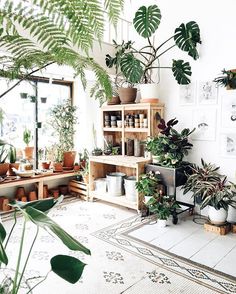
[170, 146]
[3, 150]
[162, 205]
[208, 185]
[147, 184]
[58, 31]
[27, 136]
[67, 267]
[12, 154]
[63, 120]
[146, 22]
[228, 79]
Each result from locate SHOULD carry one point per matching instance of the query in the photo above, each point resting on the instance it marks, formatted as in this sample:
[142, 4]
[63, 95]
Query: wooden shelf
[120, 200]
[112, 129]
[136, 130]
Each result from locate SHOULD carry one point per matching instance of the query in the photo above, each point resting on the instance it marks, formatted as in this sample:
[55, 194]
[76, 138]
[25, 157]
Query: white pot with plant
[213, 189]
[140, 65]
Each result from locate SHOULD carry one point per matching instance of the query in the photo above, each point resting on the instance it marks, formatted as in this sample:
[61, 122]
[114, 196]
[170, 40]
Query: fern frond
[114, 8]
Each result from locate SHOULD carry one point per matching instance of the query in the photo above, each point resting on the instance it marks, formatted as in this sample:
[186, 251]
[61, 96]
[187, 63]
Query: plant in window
[170, 146]
[27, 138]
[228, 79]
[67, 267]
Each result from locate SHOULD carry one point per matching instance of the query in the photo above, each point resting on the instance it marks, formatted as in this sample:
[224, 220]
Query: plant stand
[173, 178]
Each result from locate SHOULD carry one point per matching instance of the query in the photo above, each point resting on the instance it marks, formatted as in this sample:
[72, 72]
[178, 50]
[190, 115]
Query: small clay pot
[45, 165]
[20, 191]
[76, 167]
[4, 168]
[55, 193]
[114, 100]
[127, 95]
[10, 170]
[4, 201]
[57, 167]
[33, 196]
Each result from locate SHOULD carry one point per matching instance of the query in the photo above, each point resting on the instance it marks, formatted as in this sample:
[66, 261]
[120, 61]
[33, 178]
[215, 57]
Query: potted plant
[212, 189]
[4, 166]
[170, 146]
[63, 121]
[122, 85]
[137, 65]
[162, 206]
[83, 157]
[85, 173]
[27, 137]
[227, 80]
[67, 267]
[147, 185]
[12, 160]
[76, 166]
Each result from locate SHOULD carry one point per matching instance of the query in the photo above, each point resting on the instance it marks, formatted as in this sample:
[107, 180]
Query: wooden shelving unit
[100, 166]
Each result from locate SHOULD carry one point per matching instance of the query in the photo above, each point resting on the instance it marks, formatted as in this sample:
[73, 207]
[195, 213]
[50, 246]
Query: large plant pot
[127, 95]
[149, 93]
[69, 159]
[217, 217]
[4, 168]
[29, 151]
[114, 100]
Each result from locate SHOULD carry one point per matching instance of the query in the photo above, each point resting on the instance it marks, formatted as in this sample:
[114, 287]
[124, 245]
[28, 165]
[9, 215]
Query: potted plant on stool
[211, 189]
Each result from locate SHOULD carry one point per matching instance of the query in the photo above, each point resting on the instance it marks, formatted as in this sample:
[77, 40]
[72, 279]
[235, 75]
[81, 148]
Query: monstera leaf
[181, 71]
[186, 38]
[131, 68]
[147, 20]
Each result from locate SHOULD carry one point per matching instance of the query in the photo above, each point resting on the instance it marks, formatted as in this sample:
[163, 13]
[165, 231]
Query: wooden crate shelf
[218, 229]
[79, 188]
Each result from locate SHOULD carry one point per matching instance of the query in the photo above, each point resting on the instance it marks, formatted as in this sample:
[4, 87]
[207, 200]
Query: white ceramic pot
[161, 223]
[217, 217]
[149, 92]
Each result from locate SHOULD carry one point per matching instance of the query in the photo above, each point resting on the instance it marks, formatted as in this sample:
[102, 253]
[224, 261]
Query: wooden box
[218, 229]
[79, 188]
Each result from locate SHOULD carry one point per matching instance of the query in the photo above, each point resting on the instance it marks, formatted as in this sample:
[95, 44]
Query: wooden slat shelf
[136, 130]
[120, 200]
[112, 129]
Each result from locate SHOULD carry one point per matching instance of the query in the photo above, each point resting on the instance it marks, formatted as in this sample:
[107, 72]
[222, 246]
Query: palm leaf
[147, 20]
[181, 71]
[186, 38]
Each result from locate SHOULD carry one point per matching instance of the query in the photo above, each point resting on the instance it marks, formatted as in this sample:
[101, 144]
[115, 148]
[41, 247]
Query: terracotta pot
[4, 201]
[20, 192]
[55, 193]
[69, 159]
[45, 191]
[10, 170]
[45, 165]
[127, 95]
[76, 167]
[4, 168]
[33, 196]
[28, 152]
[114, 100]
[57, 166]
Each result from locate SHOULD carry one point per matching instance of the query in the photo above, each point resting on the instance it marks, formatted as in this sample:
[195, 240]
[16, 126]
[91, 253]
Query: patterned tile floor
[120, 263]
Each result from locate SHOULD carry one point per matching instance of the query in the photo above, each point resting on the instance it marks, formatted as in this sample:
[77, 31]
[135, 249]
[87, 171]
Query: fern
[56, 30]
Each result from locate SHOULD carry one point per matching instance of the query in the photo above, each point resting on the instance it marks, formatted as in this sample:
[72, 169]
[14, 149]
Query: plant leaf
[131, 68]
[147, 20]
[42, 220]
[3, 255]
[181, 71]
[186, 38]
[67, 267]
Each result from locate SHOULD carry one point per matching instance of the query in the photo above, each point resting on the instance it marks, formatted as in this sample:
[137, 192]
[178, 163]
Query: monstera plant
[138, 65]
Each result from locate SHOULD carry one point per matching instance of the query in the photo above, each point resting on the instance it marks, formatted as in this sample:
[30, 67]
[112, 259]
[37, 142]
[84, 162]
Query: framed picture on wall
[228, 144]
[204, 120]
[207, 92]
[187, 94]
[228, 109]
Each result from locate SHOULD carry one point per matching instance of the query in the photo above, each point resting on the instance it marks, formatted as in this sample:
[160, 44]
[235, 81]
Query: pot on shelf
[149, 93]
[130, 190]
[11, 166]
[217, 216]
[28, 152]
[115, 183]
[57, 167]
[45, 165]
[4, 168]
[69, 159]
[127, 95]
[114, 100]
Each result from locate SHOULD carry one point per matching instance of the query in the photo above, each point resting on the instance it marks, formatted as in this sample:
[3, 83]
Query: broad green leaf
[147, 20]
[67, 267]
[181, 71]
[186, 38]
[2, 233]
[42, 205]
[131, 68]
[3, 255]
[42, 220]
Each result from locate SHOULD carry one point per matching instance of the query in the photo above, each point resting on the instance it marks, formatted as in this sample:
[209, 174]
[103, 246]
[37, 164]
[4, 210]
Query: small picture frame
[228, 144]
[207, 93]
[187, 94]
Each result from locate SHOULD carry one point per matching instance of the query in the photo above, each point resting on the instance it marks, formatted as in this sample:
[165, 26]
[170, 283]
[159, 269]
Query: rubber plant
[137, 65]
[67, 267]
[58, 32]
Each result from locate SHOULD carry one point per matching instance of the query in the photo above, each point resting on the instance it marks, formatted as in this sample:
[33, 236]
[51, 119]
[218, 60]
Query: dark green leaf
[181, 71]
[147, 20]
[186, 38]
[3, 255]
[2, 233]
[42, 220]
[131, 68]
[67, 267]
